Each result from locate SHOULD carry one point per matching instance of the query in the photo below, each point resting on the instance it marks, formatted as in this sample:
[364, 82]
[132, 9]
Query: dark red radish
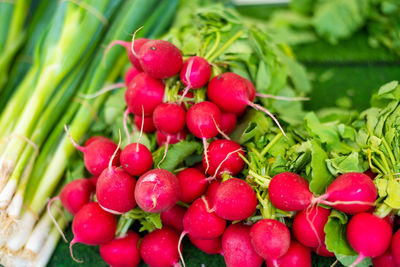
[157, 190]
[369, 235]
[308, 226]
[122, 251]
[201, 222]
[297, 255]
[395, 248]
[93, 180]
[115, 190]
[136, 159]
[199, 166]
[289, 191]
[137, 44]
[223, 157]
[384, 260]
[323, 251]
[212, 191]
[237, 248]
[370, 174]
[193, 184]
[163, 139]
[271, 239]
[144, 92]
[169, 118]
[173, 217]
[160, 248]
[160, 59]
[189, 99]
[235, 200]
[76, 194]
[210, 246]
[92, 226]
[148, 124]
[202, 119]
[130, 74]
[228, 122]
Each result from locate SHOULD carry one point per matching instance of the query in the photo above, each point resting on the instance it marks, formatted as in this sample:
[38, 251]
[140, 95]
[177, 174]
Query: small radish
[136, 159]
[122, 251]
[271, 239]
[395, 248]
[92, 226]
[385, 260]
[173, 217]
[369, 235]
[166, 139]
[323, 251]
[297, 255]
[160, 59]
[144, 92]
[209, 246]
[193, 184]
[199, 166]
[130, 74]
[137, 44]
[115, 190]
[148, 124]
[251, 90]
[308, 226]
[95, 138]
[93, 180]
[212, 191]
[76, 194]
[370, 174]
[228, 122]
[235, 200]
[160, 248]
[169, 118]
[157, 190]
[223, 157]
[237, 248]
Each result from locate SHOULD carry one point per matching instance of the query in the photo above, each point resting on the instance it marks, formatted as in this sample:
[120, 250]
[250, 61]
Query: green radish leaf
[388, 87]
[150, 222]
[349, 163]
[348, 260]
[335, 230]
[393, 191]
[320, 175]
[177, 154]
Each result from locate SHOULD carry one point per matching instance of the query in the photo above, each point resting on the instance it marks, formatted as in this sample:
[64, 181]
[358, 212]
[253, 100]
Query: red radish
[144, 92]
[201, 222]
[93, 180]
[385, 260]
[157, 191]
[323, 251]
[96, 138]
[289, 191]
[148, 124]
[115, 190]
[92, 226]
[190, 98]
[209, 246]
[212, 191]
[130, 74]
[271, 239]
[164, 139]
[237, 248]
[228, 122]
[199, 166]
[160, 248]
[297, 255]
[395, 248]
[169, 118]
[136, 159]
[137, 44]
[223, 157]
[193, 184]
[251, 90]
[308, 226]
[122, 251]
[76, 194]
[235, 200]
[369, 235]
[173, 217]
[160, 59]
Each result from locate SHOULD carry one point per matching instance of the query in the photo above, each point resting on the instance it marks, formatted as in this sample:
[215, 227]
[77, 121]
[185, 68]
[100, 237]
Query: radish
[93, 180]
[136, 159]
[193, 184]
[160, 248]
[212, 191]
[173, 217]
[144, 92]
[137, 44]
[92, 226]
[384, 260]
[209, 246]
[148, 124]
[199, 166]
[237, 248]
[323, 251]
[130, 74]
[369, 235]
[160, 59]
[166, 139]
[169, 118]
[115, 190]
[308, 226]
[228, 122]
[395, 248]
[122, 251]
[235, 200]
[157, 191]
[271, 239]
[297, 255]
[95, 138]
[76, 194]
[223, 157]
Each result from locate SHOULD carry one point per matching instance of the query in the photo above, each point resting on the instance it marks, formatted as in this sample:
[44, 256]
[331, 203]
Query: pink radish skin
[169, 118]
[212, 191]
[297, 255]
[144, 91]
[223, 157]
[157, 190]
[162, 138]
[385, 260]
[76, 194]
[148, 124]
[173, 217]
[160, 248]
[237, 248]
[228, 122]
[122, 251]
[395, 248]
[128, 45]
[209, 246]
[271, 239]
[308, 226]
[202, 119]
[115, 190]
[93, 180]
[160, 59]
[289, 191]
[197, 70]
[323, 251]
[251, 90]
[192, 183]
[96, 138]
[130, 74]
[136, 159]
[235, 200]
[369, 235]
[202, 223]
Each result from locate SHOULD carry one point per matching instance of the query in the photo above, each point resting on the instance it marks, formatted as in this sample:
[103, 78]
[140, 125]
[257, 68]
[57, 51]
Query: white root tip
[21, 235]
[7, 193]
